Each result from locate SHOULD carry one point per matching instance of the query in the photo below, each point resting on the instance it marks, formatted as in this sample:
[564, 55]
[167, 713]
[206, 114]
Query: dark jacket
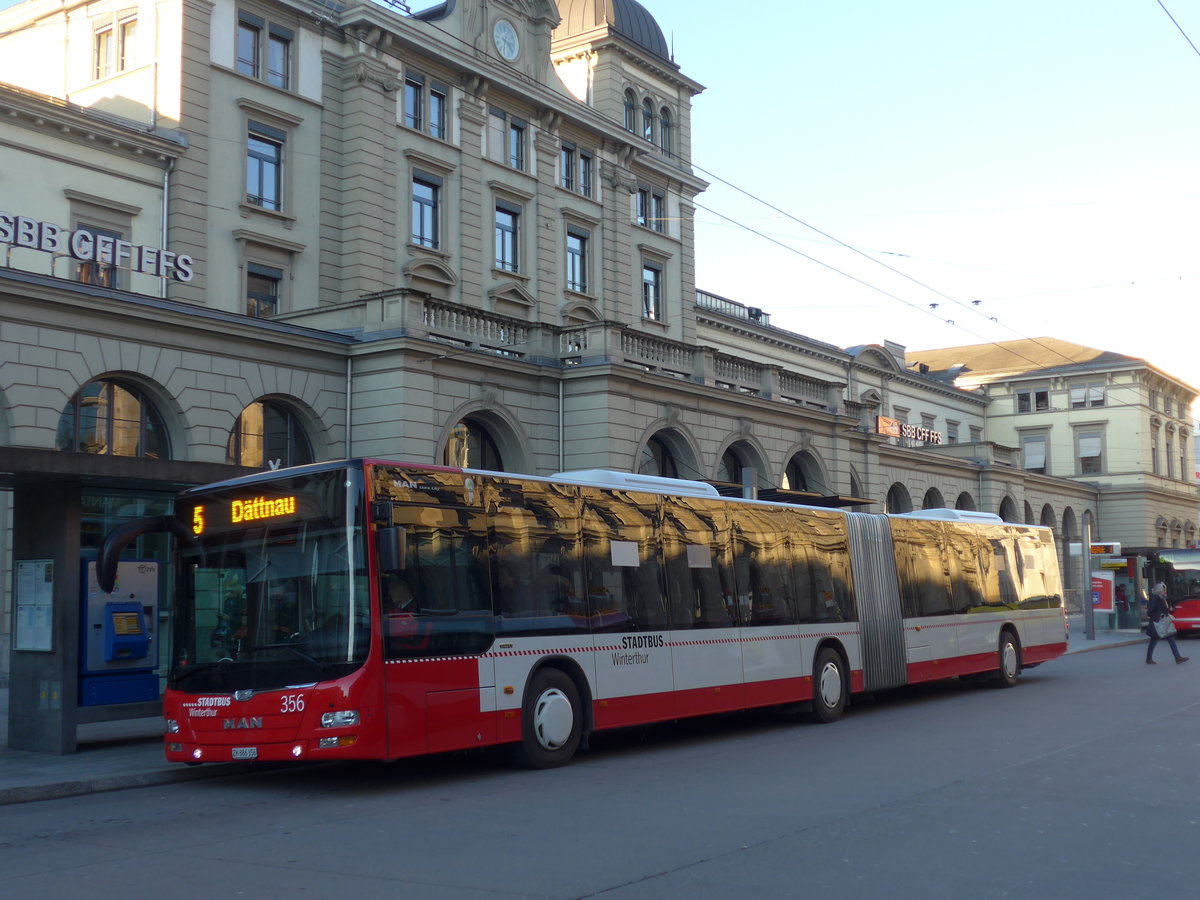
[1157, 608]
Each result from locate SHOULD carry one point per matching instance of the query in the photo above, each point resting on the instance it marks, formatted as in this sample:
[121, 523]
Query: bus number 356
[290, 703]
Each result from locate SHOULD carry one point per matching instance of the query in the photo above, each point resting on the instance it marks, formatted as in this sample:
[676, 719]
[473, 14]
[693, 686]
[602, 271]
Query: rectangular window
[262, 290]
[1033, 400]
[566, 164]
[507, 221]
[951, 432]
[652, 307]
[577, 260]
[976, 433]
[114, 47]
[1087, 395]
[268, 60]
[1033, 453]
[585, 173]
[425, 104]
[1091, 461]
[641, 210]
[1170, 455]
[101, 270]
[1154, 464]
[425, 191]
[516, 144]
[264, 166]
[279, 53]
[438, 97]
[658, 211]
[126, 44]
[414, 103]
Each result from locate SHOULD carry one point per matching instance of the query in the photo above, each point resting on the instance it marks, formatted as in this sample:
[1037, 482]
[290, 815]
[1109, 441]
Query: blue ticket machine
[119, 652]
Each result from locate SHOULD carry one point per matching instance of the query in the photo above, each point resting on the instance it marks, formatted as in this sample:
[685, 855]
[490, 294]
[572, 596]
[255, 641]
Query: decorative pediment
[430, 276]
[512, 299]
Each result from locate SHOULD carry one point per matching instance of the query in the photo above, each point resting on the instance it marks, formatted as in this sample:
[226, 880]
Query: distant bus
[375, 610]
[1179, 570]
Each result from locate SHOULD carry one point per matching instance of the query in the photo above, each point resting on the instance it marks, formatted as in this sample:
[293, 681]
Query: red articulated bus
[374, 610]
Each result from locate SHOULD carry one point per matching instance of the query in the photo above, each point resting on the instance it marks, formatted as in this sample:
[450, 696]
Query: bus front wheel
[829, 686]
[551, 721]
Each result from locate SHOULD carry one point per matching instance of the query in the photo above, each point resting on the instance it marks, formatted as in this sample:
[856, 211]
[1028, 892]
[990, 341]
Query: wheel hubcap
[553, 719]
[1010, 660]
[830, 685]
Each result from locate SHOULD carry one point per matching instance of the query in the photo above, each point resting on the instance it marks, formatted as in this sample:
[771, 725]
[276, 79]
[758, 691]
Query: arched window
[665, 137]
[898, 499]
[793, 477]
[933, 499]
[730, 469]
[471, 446]
[113, 418]
[268, 434]
[630, 111]
[657, 459]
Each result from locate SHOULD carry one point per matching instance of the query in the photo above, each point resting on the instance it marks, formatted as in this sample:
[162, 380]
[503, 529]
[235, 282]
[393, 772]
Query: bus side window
[621, 561]
[921, 567]
[694, 545]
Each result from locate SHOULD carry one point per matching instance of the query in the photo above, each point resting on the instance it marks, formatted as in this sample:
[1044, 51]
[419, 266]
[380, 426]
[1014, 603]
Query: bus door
[437, 626]
[707, 652]
[627, 607]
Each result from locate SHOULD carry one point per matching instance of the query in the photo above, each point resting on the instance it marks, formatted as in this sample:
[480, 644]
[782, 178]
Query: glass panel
[126, 422]
[278, 52]
[247, 50]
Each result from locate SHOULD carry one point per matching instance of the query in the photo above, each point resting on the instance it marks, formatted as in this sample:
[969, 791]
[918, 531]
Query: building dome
[628, 18]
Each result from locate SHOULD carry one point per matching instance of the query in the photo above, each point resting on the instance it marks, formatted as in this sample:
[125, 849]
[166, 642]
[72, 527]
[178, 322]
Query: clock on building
[505, 36]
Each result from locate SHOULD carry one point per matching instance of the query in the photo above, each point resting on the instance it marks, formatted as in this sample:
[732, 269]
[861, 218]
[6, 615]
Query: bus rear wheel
[1010, 661]
[829, 686]
[551, 721]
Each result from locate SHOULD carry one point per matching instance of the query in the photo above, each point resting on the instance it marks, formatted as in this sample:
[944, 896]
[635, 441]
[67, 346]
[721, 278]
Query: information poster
[1102, 592]
[35, 605]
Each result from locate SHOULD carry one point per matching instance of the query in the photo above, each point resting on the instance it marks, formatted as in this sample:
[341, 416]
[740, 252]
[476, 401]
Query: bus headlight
[344, 718]
[172, 726]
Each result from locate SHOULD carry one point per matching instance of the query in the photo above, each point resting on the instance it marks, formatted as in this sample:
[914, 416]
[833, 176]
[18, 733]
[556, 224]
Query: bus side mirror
[391, 545]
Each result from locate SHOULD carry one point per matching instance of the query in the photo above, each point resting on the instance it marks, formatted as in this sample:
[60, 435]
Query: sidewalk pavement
[127, 754]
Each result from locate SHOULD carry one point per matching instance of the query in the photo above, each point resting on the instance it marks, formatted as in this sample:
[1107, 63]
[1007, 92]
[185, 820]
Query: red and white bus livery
[375, 610]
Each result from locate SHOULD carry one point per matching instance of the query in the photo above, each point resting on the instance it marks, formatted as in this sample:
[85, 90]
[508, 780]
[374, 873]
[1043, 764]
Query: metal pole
[1089, 611]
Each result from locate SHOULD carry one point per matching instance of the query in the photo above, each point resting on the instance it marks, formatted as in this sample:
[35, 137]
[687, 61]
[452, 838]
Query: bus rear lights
[329, 743]
[344, 718]
[172, 726]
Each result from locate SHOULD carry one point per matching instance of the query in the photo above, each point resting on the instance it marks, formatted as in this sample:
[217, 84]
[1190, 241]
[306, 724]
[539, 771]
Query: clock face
[506, 39]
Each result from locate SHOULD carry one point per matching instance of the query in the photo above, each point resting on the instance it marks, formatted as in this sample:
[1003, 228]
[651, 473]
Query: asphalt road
[1080, 782]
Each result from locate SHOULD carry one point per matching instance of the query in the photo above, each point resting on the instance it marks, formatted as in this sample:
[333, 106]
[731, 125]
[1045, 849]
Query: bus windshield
[273, 591]
[1180, 571]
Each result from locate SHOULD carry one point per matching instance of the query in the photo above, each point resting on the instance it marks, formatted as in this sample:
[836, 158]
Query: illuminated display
[261, 508]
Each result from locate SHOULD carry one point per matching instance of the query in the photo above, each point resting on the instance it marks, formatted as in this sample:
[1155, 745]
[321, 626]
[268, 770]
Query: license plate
[245, 753]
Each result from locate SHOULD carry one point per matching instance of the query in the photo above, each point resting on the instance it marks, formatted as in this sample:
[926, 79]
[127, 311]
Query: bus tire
[829, 686]
[551, 721]
[1010, 661]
